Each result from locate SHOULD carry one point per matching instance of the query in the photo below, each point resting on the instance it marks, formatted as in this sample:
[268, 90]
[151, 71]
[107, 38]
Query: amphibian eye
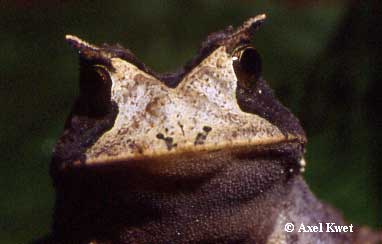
[247, 66]
[250, 62]
[95, 90]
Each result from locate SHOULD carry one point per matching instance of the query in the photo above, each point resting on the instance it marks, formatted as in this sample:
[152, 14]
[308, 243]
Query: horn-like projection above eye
[247, 66]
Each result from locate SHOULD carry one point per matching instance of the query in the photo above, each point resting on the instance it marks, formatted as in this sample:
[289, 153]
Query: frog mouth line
[194, 151]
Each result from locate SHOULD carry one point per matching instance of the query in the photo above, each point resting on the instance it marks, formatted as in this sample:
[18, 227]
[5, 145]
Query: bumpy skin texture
[198, 156]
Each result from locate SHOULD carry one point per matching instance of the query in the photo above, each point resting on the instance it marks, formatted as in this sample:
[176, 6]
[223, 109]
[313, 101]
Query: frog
[206, 154]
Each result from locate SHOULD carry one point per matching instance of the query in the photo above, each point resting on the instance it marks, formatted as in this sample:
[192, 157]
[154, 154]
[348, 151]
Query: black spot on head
[168, 140]
[181, 127]
[200, 138]
[207, 129]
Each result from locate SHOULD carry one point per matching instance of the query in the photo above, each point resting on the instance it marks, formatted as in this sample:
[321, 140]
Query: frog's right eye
[247, 65]
[95, 90]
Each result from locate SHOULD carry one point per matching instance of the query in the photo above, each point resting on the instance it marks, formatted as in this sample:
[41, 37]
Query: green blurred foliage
[39, 79]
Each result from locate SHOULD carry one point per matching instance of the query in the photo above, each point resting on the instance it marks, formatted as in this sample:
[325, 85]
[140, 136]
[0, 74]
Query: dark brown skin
[240, 194]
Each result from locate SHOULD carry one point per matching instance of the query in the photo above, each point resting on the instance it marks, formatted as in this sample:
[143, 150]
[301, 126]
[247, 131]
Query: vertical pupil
[250, 63]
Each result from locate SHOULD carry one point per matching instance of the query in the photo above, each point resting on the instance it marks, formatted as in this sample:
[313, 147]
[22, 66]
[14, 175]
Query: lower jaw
[196, 192]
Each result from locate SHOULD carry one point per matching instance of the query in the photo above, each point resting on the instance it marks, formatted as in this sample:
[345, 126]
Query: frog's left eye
[247, 65]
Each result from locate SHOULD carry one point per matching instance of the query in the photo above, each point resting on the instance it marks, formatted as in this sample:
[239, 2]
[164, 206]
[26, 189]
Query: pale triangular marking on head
[200, 114]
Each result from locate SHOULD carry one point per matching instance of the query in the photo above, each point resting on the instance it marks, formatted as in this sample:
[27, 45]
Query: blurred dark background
[321, 58]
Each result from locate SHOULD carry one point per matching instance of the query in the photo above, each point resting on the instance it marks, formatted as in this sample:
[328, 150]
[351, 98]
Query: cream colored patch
[279, 235]
[156, 120]
[302, 165]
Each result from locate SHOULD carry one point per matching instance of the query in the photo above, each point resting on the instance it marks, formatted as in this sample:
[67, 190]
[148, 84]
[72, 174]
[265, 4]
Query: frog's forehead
[157, 118]
[201, 113]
